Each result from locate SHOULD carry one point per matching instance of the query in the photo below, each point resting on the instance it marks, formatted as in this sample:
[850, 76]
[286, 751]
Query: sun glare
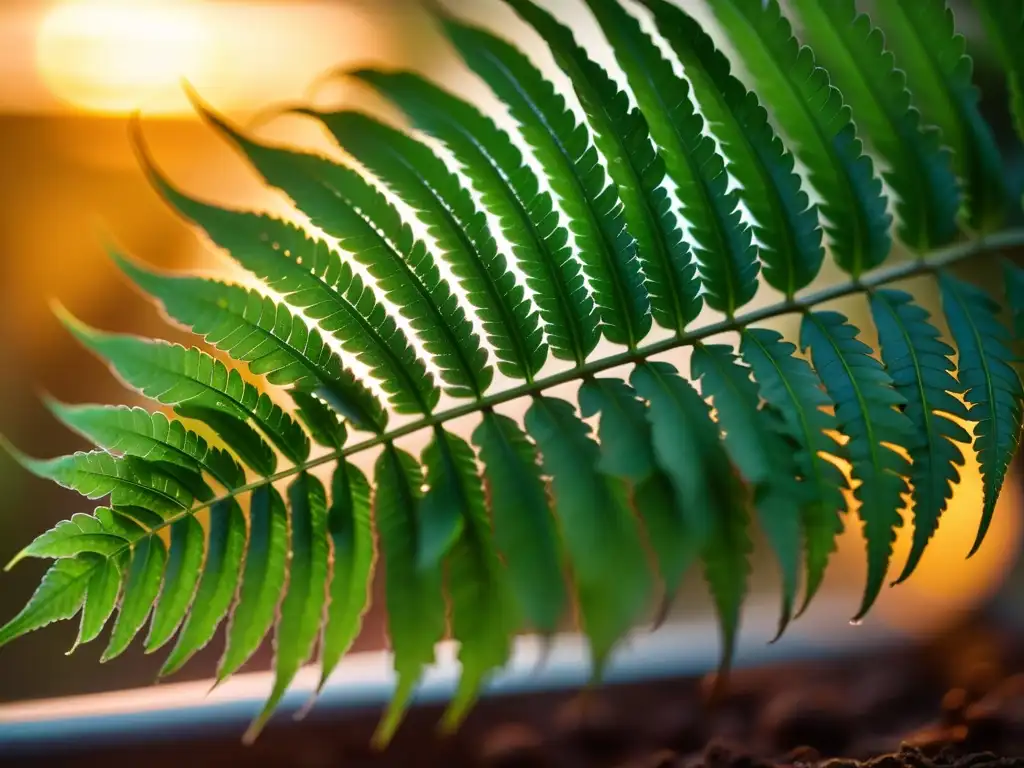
[116, 57]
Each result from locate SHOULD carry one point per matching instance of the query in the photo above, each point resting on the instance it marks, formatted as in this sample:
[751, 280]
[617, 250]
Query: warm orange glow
[118, 56]
[945, 585]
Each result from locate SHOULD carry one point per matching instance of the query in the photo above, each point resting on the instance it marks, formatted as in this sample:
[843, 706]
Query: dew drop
[856, 622]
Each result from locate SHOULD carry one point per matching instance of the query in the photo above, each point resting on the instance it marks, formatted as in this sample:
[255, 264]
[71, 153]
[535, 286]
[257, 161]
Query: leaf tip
[13, 562]
[256, 727]
[84, 333]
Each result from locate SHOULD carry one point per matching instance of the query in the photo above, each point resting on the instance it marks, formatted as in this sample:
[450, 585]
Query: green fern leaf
[442, 511]
[762, 456]
[653, 471]
[681, 432]
[627, 452]
[923, 36]
[184, 562]
[866, 411]
[146, 519]
[413, 172]
[263, 580]
[415, 604]
[562, 148]
[922, 371]
[191, 379]
[100, 599]
[601, 539]
[149, 436]
[311, 277]
[523, 526]
[727, 257]
[59, 596]
[119, 524]
[217, 587]
[351, 532]
[814, 116]
[789, 385]
[321, 421]
[254, 329]
[511, 192]
[126, 481]
[623, 432]
[920, 167]
[622, 136]
[687, 447]
[483, 614]
[68, 539]
[251, 449]
[142, 585]
[298, 623]
[991, 386]
[786, 223]
[1004, 26]
[345, 205]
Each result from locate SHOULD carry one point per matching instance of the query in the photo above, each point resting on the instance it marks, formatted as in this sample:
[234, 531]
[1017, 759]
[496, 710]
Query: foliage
[216, 512]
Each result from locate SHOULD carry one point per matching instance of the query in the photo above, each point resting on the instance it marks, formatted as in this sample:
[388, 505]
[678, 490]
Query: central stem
[938, 260]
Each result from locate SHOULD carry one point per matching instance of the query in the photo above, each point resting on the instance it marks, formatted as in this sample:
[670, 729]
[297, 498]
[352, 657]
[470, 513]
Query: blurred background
[71, 71]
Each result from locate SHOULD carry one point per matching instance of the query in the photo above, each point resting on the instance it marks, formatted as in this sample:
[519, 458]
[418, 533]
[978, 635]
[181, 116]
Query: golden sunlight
[115, 56]
[946, 586]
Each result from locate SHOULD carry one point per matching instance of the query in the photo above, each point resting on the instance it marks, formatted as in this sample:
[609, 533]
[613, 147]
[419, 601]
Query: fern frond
[351, 532]
[606, 559]
[141, 587]
[866, 405]
[992, 388]
[813, 114]
[254, 329]
[561, 146]
[128, 481]
[298, 623]
[482, 612]
[59, 596]
[524, 529]
[312, 278]
[184, 560]
[923, 35]
[757, 448]
[510, 190]
[920, 167]
[786, 223]
[414, 173]
[627, 452]
[102, 593]
[263, 580]
[217, 586]
[707, 490]
[922, 371]
[81, 533]
[622, 136]
[346, 206]
[150, 436]
[416, 611]
[727, 257]
[191, 379]
[325, 425]
[647, 473]
[790, 386]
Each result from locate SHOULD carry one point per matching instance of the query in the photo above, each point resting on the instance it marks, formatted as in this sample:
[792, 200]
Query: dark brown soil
[958, 703]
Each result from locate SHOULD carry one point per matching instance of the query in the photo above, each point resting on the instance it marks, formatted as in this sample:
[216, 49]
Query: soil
[957, 703]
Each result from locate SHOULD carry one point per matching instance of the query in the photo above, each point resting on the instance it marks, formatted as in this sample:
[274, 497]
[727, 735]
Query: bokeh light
[119, 56]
